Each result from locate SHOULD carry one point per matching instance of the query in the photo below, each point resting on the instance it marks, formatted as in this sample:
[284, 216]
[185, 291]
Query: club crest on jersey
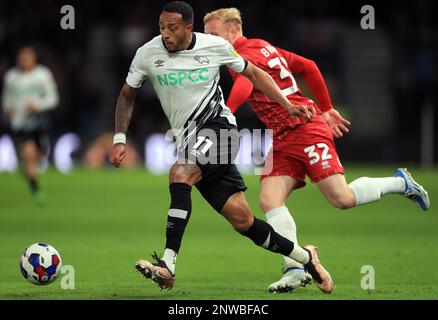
[202, 59]
[159, 63]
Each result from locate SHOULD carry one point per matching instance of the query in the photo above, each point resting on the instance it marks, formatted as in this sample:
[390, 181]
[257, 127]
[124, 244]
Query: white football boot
[293, 277]
[413, 190]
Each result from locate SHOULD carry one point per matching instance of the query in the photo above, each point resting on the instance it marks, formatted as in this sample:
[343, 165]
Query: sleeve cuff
[133, 82]
[245, 65]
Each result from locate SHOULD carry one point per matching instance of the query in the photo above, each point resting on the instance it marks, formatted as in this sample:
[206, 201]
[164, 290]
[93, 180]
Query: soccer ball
[40, 264]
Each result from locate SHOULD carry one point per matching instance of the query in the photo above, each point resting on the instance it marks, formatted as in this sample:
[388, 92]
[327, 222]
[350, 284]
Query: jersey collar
[192, 44]
[239, 42]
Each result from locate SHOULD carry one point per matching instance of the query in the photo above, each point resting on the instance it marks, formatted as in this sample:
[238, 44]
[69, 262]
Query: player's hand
[31, 107]
[336, 122]
[301, 111]
[117, 154]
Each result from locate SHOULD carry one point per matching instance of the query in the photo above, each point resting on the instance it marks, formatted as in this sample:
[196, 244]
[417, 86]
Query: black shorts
[38, 137]
[214, 149]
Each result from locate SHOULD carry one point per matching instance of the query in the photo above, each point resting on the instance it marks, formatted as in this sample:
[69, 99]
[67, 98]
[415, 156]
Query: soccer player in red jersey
[300, 147]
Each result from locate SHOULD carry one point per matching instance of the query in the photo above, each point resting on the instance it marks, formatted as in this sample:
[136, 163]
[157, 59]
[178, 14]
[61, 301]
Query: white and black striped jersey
[187, 82]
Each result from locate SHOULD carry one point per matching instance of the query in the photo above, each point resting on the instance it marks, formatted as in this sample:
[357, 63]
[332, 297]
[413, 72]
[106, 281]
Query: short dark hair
[181, 7]
[27, 47]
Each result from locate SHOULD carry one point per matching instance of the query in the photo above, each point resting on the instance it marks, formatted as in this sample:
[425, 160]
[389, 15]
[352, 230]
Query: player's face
[175, 32]
[217, 28]
[26, 59]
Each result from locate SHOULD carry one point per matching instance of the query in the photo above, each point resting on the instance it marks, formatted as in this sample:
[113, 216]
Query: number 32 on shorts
[314, 155]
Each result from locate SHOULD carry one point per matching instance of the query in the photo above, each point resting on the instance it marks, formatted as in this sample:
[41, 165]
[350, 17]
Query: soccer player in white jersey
[29, 92]
[183, 68]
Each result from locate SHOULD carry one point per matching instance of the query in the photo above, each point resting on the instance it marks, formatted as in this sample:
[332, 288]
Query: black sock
[259, 233]
[33, 184]
[178, 215]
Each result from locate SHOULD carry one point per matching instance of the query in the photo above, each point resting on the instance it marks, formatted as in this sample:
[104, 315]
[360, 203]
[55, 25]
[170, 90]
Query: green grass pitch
[101, 222]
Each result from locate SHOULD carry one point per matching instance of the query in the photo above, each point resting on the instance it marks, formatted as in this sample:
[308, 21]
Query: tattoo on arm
[125, 107]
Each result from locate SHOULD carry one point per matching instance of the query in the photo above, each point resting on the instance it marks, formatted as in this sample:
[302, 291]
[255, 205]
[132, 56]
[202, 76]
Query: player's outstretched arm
[264, 83]
[240, 92]
[312, 75]
[124, 109]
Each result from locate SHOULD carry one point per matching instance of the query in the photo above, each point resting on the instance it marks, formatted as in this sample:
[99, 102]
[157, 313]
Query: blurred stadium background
[383, 80]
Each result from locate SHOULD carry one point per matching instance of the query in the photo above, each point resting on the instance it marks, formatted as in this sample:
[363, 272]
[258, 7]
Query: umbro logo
[169, 225]
[159, 63]
[202, 59]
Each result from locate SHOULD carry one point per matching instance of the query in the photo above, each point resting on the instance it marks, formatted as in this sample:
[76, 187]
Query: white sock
[367, 190]
[169, 257]
[281, 220]
[300, 255]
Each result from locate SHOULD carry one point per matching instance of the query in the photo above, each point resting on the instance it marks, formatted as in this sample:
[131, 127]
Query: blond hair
[226, 15]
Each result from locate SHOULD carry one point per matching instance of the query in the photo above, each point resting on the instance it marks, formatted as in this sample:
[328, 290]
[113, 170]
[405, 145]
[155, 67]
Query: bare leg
[31, 156]
[274, 191]
[337, 192]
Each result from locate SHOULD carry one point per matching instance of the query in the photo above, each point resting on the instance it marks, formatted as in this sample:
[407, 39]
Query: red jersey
[280, 65]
